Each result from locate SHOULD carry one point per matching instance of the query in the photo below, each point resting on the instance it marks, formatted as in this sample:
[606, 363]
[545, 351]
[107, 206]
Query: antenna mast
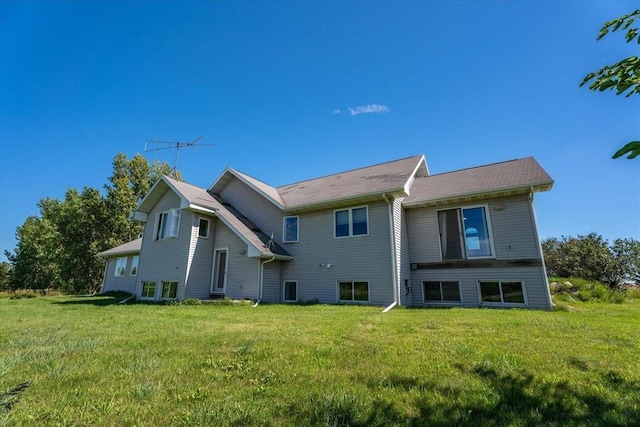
[173, 145]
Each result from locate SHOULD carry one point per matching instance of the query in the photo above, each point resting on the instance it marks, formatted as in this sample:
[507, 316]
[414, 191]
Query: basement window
[502, 292]
[352, 291]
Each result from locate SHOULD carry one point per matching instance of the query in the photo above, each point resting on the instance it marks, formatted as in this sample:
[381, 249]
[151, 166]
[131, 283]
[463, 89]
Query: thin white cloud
[369, 109]
[336, 111]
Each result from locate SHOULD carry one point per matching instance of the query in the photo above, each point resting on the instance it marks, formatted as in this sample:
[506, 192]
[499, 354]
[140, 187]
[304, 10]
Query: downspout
[540, 253]
[261, 279]
[394, 265]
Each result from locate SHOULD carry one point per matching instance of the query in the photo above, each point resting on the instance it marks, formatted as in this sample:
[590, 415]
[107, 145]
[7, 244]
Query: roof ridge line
[350, 170]
[478, 167]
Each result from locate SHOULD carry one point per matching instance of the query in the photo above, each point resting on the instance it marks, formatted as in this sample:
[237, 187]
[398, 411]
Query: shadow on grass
[101, 300]
[508, 398]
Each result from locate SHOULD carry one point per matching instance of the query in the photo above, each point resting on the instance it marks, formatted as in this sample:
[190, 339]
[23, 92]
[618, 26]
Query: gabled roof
[267, 191]
[198, 199]
[393, 177]
[132, 247]
[354, 186]
[498, 179]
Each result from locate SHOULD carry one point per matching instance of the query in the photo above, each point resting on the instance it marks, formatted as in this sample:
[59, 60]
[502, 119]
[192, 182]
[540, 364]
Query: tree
[35, 262]
[591, 257]
[58, 248]
[5, 276]
[623, 76]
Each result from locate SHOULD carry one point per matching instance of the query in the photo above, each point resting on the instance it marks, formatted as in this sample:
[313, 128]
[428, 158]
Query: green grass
[91, 361]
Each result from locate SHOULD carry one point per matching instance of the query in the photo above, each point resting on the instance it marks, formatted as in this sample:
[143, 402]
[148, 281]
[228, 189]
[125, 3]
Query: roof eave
[216, 189]
[347, 201]
[475, 196]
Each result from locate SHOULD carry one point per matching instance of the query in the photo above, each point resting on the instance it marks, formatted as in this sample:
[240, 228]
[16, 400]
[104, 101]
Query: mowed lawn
[91, 361]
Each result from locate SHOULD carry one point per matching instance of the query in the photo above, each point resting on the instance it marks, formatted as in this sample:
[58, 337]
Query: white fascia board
[219, 178]
[329, 204]
[257, 190]
[239, 176]
[541, 186]
[412, 177]
[146, 196]
[138, 216]
[201, 209]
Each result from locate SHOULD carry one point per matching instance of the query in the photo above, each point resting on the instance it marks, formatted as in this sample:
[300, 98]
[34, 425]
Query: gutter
[541, 186]
[394, 264]
[261, 278]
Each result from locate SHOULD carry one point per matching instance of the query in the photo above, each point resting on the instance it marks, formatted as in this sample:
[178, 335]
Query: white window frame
[167, 224]
[352, 300]
[350, 210]
[199, 219]
[162, 284]
[441, 302]
[135, 261]
[155, 290]
[502, 303]
[284, 290]
[121, 270]
[284, 229]
[462, 236]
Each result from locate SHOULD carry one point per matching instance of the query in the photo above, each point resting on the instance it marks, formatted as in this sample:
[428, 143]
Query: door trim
[214, 276]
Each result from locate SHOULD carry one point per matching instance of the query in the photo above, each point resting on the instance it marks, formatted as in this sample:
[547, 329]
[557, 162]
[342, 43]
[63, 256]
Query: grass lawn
[93, 362]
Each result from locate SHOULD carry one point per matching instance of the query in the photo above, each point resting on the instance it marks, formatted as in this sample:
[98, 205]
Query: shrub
[564, 289]
[593, 258]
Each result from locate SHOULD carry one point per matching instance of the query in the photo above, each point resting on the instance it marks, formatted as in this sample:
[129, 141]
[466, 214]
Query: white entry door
[220, 263]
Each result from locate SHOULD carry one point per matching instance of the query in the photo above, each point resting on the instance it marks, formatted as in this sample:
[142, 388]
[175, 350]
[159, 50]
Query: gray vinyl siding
[124, 283]
[512, 225]
[514, 237]
[535, 283]
[254, 206]
[165, 260]
[272, 285]
[242, 271]
[200, 259]
[514, 233]
[360, 258]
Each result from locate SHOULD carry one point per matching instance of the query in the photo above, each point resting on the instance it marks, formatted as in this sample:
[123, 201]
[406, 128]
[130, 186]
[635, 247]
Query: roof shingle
[513, 174]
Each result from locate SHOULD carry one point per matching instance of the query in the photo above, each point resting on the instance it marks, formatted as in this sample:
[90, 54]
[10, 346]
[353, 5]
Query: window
[499, 292]
[169, 290]
[134, 265]
[353, 291]
[290, 229]
[148, 289]
[442, 292]
[465, 233]
[121, 267]
[203, 227]
[290, 290]
[351, 222]
[167, 224]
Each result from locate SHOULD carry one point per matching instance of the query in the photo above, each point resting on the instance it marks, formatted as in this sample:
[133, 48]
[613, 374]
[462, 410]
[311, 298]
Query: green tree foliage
[623, 76]
[591, 257]
[5, 276]
[34, 262]
[58, 248]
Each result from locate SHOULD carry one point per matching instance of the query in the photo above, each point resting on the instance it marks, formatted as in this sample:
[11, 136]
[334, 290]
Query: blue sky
[287, 91]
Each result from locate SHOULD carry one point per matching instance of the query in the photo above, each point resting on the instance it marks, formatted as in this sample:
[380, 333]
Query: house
[385, 234]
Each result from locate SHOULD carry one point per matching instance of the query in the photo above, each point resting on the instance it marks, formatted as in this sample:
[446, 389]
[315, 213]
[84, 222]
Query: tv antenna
[173, 145]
